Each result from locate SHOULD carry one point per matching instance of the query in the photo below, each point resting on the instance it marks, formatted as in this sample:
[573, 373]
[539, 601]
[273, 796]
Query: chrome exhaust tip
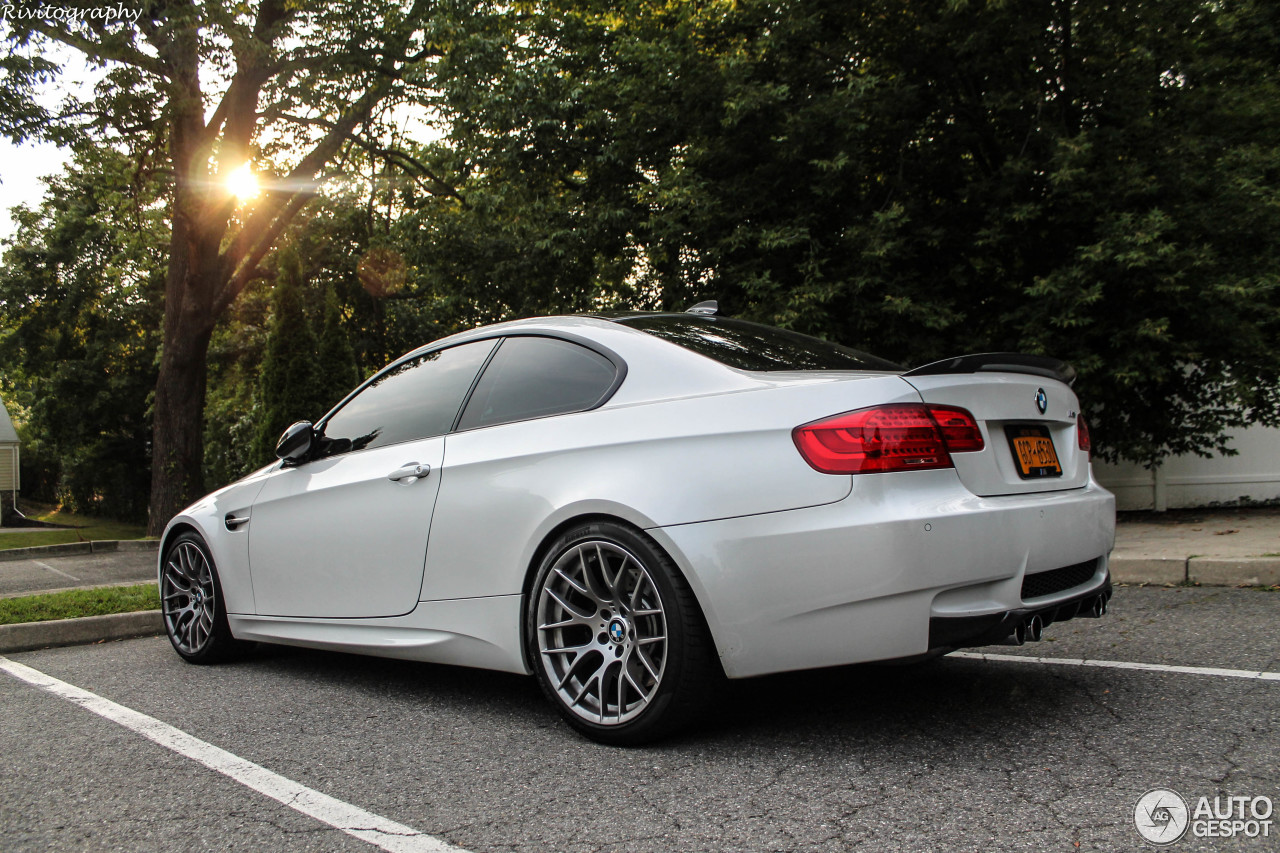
[1035, 629]
[1097, 608]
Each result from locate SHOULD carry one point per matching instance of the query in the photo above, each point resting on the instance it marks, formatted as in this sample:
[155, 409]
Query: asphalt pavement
[955, 754]
[37, 572]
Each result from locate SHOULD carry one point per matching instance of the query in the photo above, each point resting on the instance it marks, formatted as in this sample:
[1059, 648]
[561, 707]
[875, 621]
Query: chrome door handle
[409, 473]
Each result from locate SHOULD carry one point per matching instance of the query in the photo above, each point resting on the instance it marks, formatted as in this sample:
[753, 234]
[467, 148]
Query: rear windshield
[751, 346]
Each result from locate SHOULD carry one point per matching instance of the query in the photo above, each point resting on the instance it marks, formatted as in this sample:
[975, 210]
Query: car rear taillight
[1082, 434]
[901, 437]
[959, 430]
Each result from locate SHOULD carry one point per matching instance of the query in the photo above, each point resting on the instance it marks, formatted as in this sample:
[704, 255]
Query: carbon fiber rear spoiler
[1000, 362]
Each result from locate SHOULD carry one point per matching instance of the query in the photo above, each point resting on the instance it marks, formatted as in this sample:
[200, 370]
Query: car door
[505, 470]
[345, 533]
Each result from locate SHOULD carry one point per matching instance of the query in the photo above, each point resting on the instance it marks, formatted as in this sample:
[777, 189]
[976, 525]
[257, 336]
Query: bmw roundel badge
[1042, 400]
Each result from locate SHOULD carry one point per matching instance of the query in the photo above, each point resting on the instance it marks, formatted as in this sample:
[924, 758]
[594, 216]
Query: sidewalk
[1214, 547]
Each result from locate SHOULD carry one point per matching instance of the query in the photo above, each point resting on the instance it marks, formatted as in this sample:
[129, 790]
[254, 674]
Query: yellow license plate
[1033, 452]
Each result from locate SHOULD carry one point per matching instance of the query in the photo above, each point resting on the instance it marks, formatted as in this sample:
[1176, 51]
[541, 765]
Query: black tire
[195, 616]
[641, 664]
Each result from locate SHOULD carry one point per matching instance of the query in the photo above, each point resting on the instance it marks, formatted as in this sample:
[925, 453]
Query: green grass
[80, 528]
[79, 602]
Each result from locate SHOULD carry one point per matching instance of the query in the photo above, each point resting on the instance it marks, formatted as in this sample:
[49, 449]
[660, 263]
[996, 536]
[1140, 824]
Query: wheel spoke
[568, 650]
[568, 608]
[565, 623]
[634, 601]
[644, 660]
[586, 685]
[593, 579]
[604, 573]
[573, 583]
[173, 572]
[634, 686]
[622, 686]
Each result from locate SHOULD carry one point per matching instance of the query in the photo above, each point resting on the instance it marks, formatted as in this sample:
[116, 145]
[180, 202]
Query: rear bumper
[865, 578]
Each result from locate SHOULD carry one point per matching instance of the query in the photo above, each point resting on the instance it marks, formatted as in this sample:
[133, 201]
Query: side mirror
[295, 444]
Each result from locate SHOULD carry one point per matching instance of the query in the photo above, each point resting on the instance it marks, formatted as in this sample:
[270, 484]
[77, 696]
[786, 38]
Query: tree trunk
[177, 450]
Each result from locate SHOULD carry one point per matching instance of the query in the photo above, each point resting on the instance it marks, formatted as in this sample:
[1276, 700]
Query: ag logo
[1161, 816]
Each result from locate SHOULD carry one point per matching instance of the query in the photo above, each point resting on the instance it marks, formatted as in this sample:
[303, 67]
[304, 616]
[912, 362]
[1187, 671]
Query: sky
[22, 167]
[21, 170]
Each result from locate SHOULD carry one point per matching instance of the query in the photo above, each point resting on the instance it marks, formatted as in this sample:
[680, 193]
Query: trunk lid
[1007, 405]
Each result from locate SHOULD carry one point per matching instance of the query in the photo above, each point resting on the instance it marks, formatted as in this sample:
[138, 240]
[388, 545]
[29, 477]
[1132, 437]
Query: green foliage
[1091, 180]
[288, 389]
[336, 371]
[79, 320]
[1094, 181]
[232, 407]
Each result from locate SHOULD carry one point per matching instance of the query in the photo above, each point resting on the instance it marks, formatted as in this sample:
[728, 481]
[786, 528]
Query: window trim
[619, 374]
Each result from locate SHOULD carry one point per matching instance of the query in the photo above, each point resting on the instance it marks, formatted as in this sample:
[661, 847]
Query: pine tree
[336, 370]
[287, 390]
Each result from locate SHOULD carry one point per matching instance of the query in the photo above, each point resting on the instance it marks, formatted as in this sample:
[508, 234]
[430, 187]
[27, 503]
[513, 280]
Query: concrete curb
[1153, 570]
[1207, 571]
[88, 629]
[98, 546]
[1215, 571]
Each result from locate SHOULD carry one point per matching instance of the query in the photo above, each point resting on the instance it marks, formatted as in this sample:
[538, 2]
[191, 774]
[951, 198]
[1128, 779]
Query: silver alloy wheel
[602, 632]
[188, 598]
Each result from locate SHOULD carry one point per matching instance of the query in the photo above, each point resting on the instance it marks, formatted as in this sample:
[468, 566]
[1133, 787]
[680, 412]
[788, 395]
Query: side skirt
[478, 632]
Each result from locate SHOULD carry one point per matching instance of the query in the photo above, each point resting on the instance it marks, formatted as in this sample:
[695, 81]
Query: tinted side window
[535, 377]
[415, 399]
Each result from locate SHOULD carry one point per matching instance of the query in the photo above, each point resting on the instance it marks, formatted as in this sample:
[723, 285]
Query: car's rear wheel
[195, 617]
[616, 637]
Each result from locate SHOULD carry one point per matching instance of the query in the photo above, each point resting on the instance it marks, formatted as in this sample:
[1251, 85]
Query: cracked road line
[353, 820]
[1120, 664]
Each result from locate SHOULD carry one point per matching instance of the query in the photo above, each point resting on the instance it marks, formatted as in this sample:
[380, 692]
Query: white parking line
[1122, 664]
[55, 571]
[353, 820]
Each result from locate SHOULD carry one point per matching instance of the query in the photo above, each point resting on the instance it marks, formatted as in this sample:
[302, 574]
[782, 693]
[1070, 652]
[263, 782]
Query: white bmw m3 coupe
[633, 506]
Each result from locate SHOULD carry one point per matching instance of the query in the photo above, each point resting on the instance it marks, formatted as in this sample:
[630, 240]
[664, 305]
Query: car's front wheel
[616, 637]
[195, 617]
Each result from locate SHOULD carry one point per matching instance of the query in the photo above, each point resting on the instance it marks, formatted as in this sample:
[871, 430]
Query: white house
[9, 483]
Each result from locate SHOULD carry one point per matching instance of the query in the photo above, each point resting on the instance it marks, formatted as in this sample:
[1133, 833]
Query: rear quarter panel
[504, 489]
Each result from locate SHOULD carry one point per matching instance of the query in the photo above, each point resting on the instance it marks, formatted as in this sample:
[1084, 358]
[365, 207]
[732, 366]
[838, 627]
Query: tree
[288, 390]
[79, 333]
[336, 371]
[317, 76]
[1095, 181]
